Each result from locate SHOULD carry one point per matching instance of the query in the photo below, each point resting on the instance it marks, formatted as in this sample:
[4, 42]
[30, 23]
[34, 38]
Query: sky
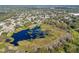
[37, 6]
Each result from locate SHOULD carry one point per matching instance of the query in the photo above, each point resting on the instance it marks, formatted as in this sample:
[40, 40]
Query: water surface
[27, 34]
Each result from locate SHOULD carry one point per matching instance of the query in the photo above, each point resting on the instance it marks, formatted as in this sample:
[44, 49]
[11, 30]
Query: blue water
[27, 34]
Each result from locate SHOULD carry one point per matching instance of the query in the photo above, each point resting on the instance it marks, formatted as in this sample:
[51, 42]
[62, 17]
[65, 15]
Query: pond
[27, 34]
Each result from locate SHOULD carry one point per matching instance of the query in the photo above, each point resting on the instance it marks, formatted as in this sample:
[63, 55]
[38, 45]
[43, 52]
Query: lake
[28, 34]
